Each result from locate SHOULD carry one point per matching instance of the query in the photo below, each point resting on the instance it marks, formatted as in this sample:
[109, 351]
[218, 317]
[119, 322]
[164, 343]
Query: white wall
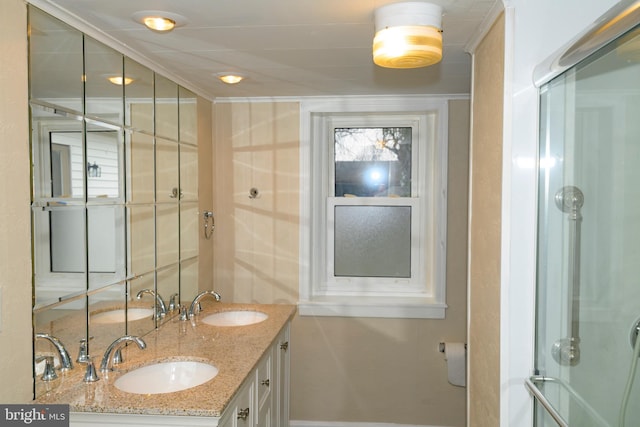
[535, 30]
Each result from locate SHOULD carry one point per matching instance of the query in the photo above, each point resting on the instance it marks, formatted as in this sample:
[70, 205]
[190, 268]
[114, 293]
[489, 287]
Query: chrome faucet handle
[173, 302]
[83, 354]
[184, 313]
[65, 359]
[49, 373]
[90, 374]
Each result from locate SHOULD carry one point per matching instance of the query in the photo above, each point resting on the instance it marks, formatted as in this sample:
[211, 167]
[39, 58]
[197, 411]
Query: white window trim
[315, 302]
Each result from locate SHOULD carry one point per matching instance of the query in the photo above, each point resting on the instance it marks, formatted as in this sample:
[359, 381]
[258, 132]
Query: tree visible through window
[372, 162]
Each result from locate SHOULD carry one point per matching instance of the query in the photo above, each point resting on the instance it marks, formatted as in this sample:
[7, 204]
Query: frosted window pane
[372, 161]
[372, 241]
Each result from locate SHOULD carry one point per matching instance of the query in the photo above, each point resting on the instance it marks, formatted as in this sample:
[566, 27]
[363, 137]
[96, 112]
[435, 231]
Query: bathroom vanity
[251, 387]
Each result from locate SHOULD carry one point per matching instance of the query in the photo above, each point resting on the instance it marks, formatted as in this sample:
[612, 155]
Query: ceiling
[283, 47]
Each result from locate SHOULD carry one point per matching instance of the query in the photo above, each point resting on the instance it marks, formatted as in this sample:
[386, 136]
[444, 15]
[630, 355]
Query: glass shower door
[588, 273]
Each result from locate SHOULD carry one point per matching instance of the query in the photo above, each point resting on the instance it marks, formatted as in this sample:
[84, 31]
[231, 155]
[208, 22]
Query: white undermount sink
[117, 316]
[166, 377]
[235, 318]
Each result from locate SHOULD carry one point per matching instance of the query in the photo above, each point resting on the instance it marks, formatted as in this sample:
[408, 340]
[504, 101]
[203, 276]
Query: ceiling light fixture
[159, 21]
[408, 35]
[119, 80]
[230, 78]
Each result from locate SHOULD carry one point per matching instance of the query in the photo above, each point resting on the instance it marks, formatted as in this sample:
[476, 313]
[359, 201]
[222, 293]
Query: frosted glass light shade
[408, 35]
[407, 47]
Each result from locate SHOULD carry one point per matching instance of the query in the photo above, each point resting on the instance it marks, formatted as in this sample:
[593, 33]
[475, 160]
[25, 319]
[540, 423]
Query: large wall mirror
[115, 193]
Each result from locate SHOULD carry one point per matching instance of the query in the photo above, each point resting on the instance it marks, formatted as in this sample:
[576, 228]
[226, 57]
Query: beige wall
[343, 369]
[15, 231]
[256, 240]
[485, 208]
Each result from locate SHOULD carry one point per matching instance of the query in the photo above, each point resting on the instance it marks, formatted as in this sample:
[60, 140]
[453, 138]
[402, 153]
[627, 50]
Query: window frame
[425, 298]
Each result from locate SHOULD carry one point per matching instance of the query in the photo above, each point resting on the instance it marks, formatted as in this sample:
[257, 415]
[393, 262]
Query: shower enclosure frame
[569, 199]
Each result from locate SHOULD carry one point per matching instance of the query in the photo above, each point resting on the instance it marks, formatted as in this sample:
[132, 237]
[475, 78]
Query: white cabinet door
[240, 412]
[227, 419]
[282, 350]
[264, 415]
[265, 383]
[245, 406]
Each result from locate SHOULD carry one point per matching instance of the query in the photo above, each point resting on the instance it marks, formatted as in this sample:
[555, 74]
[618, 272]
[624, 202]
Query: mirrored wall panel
[104, 82]
[115, 193]
[55, 62]
[138, 96]
[166, 108]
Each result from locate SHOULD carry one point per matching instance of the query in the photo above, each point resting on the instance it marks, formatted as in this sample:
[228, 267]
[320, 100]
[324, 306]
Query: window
[374, 243]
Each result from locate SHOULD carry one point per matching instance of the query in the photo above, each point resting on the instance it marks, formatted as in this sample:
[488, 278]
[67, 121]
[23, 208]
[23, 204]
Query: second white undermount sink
[118, 315]
[166, 377]
[235, 318]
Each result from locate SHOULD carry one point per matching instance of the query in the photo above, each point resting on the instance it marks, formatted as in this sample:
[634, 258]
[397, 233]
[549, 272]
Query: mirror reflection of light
[375, 176]
[530, 162]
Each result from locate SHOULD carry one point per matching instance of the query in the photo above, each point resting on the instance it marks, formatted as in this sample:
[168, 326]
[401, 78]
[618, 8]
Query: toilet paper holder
[442, 346]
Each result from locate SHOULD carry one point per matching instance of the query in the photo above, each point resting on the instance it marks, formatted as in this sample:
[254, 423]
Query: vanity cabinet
[262, 400]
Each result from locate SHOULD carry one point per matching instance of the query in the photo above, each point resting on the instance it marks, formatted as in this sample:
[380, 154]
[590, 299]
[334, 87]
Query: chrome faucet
[195, 305]
[160, 308]
[65, 359]
[173, 302]
[115, 347]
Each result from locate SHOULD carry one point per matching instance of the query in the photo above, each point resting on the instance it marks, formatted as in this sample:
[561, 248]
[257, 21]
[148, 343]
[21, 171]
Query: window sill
[384, 307]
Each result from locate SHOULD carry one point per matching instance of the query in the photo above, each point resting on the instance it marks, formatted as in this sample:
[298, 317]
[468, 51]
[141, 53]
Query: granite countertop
[234, 350]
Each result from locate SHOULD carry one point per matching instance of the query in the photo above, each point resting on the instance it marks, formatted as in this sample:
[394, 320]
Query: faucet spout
[107, 359]
[65, 359]
[194, 309]
[160, 307]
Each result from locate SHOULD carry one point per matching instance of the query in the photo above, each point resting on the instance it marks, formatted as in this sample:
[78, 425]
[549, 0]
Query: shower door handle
[566, 351]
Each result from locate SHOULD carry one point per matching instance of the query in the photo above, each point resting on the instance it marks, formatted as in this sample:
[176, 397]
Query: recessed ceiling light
[159, 21]
[230, 77]
[119, 80]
